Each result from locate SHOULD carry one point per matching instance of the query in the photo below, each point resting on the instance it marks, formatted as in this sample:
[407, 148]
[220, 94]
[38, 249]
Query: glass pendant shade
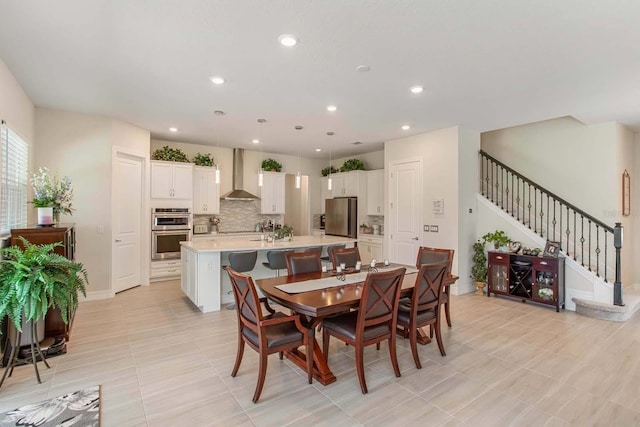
[329, 184]
[260, 178]
[217, 174]
[298, 179]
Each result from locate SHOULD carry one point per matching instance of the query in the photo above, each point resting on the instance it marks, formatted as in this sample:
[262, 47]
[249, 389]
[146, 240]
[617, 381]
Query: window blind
[14, 164]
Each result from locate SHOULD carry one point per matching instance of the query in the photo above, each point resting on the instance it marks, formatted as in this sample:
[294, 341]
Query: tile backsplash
[238, 215]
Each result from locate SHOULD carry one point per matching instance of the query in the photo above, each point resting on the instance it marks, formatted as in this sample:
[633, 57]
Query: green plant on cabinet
[169, 154]
[498, 238]
[329, 169]
[203, 159]
[271, 165]
[352, 165]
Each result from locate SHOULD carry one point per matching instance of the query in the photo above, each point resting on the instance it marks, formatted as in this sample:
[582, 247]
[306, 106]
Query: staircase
[590, 246]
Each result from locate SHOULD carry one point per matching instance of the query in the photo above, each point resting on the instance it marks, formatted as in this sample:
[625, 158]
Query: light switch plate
[434, 228]
[425, 228]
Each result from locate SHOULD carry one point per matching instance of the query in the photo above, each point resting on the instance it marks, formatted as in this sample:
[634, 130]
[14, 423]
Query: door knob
[118, 240]
[415, 238]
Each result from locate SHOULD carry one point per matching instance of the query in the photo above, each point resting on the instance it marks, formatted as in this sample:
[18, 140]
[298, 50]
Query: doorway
[128, 195]
[405, 211]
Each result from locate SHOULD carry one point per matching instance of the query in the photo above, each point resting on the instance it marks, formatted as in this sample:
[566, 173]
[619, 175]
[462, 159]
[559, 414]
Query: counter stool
[276, 260]
[241, 262]
[317, 249]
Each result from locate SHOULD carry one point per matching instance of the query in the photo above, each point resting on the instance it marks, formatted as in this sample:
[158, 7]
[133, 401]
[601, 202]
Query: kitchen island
[207, 284]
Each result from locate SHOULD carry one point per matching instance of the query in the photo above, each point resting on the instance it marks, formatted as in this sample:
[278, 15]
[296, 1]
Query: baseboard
[97, 295]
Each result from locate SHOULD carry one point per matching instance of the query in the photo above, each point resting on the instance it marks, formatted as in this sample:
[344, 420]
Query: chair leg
[430, 331]
[393, 355]
[262, 373]
[413, 341]
[281, 355]
[360, 367]
[447, 312]
[439, 339]
[378, 345]
[238, 356]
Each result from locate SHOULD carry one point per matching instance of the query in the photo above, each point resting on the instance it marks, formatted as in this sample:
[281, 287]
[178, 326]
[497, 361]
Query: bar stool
[276, 260]
[317, 249]
[241, 262]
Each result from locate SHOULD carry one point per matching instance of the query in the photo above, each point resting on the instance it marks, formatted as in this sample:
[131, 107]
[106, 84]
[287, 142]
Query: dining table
[318, 295]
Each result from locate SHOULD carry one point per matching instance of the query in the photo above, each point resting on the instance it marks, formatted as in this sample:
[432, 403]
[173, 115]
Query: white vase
[45, 216]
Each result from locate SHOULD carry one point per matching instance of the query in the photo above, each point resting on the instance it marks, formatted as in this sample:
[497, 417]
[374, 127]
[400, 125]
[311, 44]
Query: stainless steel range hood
[238, 193]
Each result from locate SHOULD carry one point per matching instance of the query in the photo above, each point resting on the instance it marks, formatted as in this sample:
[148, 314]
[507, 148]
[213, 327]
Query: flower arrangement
[52, 192]
[545, 293]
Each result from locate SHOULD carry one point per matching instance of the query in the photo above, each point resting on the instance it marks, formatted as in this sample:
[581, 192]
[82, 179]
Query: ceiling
[484, 64]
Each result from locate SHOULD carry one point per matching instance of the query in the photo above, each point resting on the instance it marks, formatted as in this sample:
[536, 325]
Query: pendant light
[329, 181]
[298, 175]
[260, 171]
[217, 165]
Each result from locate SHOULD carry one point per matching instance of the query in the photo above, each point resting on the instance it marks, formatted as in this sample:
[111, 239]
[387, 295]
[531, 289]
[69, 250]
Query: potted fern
[34, 279]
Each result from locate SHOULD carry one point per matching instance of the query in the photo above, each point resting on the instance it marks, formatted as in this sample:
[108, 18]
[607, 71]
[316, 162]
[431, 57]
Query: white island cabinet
[207, 284]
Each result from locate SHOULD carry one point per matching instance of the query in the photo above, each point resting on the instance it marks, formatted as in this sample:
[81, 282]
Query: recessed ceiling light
[255, 141]
[288, 40]
[416, 89]
[406, 127]
[217, 80]
[173, 129]
[332, 108]
[318, 149]
[363, 68]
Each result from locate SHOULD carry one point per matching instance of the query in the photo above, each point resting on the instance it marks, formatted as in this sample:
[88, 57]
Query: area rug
[79, 409]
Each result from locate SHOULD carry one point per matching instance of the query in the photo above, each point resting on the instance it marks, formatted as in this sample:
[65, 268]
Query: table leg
[321, 371]
[423, 338]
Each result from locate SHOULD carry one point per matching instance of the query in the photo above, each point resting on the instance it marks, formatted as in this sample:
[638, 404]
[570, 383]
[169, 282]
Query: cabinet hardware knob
[415, 238]
[118, 240]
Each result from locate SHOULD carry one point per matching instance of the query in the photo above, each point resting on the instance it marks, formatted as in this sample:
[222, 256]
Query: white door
[405, 211]
[128, 200]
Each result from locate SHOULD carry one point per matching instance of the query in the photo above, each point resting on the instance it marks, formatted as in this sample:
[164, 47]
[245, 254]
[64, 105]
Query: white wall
[445, 153]
[581, 163]
[80, 147]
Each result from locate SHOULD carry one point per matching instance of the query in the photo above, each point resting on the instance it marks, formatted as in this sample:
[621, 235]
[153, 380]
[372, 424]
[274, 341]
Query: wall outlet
[425, 228]
[434, 228]
[100, 229]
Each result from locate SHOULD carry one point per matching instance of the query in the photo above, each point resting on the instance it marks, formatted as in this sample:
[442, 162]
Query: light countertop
[246, 243]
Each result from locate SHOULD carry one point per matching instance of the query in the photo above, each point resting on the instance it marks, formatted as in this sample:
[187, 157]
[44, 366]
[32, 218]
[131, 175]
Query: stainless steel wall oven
[169, 227]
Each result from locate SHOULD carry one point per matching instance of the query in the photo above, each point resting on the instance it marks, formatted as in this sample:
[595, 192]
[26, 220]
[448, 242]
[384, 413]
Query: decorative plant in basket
[286, 231]
[271, 165]
[352, 165]
[479, 267]
[203, 159]
[329, 169]
[170, 155]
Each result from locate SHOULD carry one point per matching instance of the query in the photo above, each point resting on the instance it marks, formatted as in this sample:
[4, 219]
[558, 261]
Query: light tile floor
[162, 363]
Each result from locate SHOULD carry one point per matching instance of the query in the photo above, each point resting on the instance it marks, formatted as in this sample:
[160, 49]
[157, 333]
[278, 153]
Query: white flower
[51, 191]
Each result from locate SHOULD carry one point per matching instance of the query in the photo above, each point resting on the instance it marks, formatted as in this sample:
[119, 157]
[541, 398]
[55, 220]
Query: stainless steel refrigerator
[341, 217]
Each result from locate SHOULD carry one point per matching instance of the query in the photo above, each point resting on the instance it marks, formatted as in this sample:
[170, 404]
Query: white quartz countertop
[247, 243]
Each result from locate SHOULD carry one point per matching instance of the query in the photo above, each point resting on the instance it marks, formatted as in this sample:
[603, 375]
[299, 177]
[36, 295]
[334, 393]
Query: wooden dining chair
[348, 256]
[330, 249]
[372, 323]
[432, 255]
[424, 306]
[274, 333]
[303, 262]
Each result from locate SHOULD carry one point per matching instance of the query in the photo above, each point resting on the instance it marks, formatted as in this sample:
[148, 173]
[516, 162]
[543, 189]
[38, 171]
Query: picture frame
[438, 206]
[552, 249]
[626, 193]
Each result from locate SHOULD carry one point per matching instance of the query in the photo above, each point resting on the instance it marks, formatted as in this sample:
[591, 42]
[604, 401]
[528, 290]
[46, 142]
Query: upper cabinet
[349, 184]
[272, 193]
[375, 192]
[206, 193]
[170, 180]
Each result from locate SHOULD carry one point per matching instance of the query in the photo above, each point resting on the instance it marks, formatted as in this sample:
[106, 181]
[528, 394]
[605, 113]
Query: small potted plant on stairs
[32, 280]
[479, 267]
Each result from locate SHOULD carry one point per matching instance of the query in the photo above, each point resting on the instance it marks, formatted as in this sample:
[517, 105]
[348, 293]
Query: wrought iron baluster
[535, 210]
[597, 250]
[589, 246]
[582, 240]
[575, 232]
[518, 199]
[605, 255]
[554, 222]
[512, 195]
[501, 188]
[529, 205]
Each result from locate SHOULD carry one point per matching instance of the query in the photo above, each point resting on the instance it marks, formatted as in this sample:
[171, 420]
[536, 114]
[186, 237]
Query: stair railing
[582, 237]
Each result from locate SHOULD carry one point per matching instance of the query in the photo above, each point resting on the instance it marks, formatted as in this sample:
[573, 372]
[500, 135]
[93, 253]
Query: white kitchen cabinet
[206, 193]
[370, 247]
[170, 180]
[349, 184]
[272, 193]
[166, 269]
[375, 192]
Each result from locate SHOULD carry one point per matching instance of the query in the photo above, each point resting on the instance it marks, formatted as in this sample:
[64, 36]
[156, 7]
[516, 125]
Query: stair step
[615, 313]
